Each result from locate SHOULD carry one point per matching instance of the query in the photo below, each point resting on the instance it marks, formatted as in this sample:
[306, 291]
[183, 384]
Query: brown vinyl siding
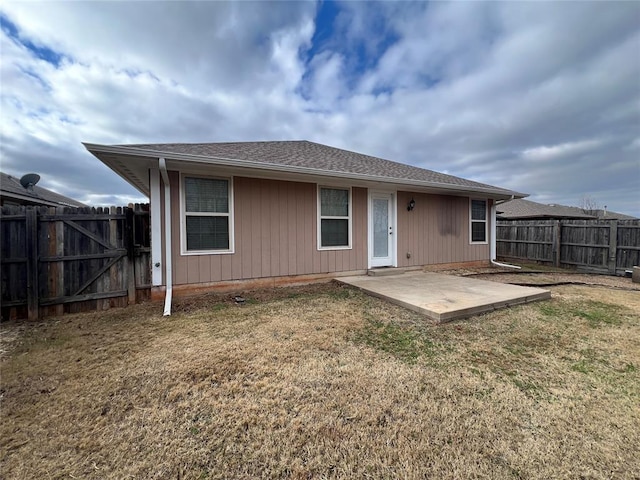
[436, 231]
[275, 235]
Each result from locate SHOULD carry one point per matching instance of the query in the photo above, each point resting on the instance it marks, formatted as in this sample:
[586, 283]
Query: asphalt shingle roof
[520, 208]
[313, 156]
[11, 186]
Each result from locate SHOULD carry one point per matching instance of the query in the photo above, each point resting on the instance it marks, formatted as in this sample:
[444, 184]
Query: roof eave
[30, 199]
[96, 149]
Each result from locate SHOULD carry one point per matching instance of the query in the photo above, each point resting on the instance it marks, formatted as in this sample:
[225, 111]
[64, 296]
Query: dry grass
[325, 382]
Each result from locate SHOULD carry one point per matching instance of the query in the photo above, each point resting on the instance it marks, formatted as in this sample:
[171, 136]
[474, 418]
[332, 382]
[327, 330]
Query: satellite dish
[29, 180]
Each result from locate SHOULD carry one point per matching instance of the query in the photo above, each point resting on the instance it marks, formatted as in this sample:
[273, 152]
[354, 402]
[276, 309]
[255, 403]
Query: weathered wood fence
[603, 246]
[58, 260]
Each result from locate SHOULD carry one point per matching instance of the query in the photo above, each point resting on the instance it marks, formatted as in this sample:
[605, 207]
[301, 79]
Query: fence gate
[57, 260]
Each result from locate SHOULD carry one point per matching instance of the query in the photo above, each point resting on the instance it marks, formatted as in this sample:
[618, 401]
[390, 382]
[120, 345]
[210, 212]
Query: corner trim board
[156, 228]
[167, 235]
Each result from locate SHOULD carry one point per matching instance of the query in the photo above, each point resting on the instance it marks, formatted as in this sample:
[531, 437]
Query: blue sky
[537, 97]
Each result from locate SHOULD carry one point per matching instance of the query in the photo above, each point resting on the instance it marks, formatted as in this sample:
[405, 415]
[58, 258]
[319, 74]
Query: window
[207, 223]
[335, 218]
[478, 221]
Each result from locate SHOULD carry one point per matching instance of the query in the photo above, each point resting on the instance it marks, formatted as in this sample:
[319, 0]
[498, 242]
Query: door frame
[392, 195]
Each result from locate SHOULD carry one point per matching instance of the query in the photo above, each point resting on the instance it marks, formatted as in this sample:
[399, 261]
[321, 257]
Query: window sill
[207, 252]
[325, 249]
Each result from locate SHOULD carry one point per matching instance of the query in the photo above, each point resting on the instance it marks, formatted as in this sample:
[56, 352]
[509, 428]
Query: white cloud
[554, 152]
[538, 97]
[326, 84]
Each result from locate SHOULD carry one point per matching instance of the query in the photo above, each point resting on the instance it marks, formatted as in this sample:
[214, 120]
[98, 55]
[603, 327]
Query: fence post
[31, 236]
[555, 250]
[60, 265]
[129, 260]
[613, 245]
[116, 275]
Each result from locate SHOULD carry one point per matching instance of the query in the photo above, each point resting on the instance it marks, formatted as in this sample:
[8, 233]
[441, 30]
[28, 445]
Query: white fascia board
[230, 162]
[135, 173]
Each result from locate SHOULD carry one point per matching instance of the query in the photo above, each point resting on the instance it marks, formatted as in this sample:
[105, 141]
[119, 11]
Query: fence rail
[603, 246]
[57, 260]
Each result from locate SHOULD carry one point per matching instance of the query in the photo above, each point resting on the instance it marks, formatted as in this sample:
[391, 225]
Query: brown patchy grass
[325, 382]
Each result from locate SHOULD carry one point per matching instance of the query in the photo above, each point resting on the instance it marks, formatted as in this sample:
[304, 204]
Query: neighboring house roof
[608, 214]
[11, 190]
[291, 157]
[526, 209]
[522, 209]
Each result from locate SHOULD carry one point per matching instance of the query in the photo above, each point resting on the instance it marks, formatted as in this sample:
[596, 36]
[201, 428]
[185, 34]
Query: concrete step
[385, 271]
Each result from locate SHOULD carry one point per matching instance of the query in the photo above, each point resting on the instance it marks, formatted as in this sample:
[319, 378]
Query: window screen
[207, 233]
[478, 221]
[207, 219]
[334, 217]
[335, 203]
[207, 195]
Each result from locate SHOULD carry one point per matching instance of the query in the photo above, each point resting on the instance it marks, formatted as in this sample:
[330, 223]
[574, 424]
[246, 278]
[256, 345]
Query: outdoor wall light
[411, 205]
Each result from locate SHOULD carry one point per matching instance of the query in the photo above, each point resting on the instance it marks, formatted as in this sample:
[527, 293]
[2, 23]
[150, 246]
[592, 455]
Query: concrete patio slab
[445, 297]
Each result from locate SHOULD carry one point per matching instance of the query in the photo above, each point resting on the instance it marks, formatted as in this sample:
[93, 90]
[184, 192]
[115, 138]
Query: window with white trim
[207, 225]
[478, 219]
[334, 230]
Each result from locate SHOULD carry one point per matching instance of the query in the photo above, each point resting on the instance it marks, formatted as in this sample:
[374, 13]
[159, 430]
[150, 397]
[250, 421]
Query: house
[604, 214]
[286, 211]
[12, 192]
[521, 209]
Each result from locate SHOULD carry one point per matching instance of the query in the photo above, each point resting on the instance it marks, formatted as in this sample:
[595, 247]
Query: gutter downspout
[167, 236]
[493, 237]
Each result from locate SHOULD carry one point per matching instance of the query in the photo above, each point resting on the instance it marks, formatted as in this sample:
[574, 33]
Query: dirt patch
[252, 297]
[533, 275]
[549, 279]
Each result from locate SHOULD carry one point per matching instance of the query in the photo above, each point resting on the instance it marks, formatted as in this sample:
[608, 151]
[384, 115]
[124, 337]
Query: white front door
[381, 229]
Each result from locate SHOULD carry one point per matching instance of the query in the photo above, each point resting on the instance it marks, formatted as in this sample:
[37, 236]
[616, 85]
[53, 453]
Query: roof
[608, 214]
[12, 190]
[523, 209]
[292, 157]
[520, 208]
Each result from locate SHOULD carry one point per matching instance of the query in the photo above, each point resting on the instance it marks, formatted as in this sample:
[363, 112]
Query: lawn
[325, 382]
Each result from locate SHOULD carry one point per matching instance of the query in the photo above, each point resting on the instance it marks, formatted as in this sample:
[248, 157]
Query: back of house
[290, 211]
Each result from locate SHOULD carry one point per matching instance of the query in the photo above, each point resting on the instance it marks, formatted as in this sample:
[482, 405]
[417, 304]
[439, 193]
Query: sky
[541, 97]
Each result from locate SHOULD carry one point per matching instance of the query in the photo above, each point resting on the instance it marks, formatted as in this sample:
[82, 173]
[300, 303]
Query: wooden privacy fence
[603, 246]
[57, 260]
